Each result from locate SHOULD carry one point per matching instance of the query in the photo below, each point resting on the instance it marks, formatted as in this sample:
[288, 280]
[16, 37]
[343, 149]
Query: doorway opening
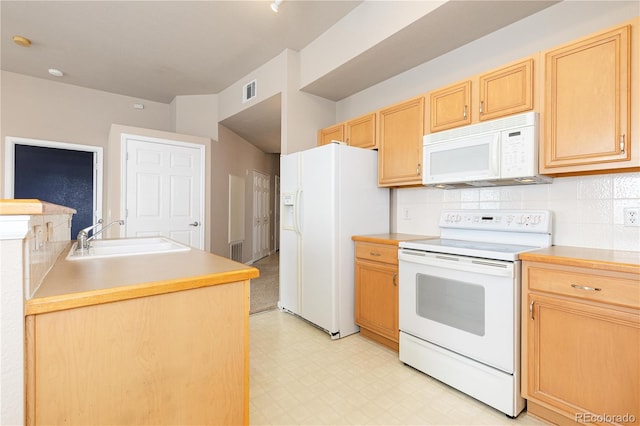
[60, 173]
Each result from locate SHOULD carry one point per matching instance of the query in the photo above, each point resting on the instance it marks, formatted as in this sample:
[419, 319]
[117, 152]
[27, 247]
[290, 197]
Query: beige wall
[42, 109]
[48, 110]
[270, 80]
[234, 155]
[302, 113]
[196, 115]
[364, 27]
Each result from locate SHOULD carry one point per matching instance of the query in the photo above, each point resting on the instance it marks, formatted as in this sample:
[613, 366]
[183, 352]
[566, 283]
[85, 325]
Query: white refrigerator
[328, 194]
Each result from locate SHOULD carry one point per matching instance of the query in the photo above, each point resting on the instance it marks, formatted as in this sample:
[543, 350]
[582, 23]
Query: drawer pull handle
[374, 254]
[583, 287]
[395, 279]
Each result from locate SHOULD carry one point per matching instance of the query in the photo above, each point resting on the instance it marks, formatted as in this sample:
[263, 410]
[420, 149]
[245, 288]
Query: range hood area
[499, 152]
[533, 180]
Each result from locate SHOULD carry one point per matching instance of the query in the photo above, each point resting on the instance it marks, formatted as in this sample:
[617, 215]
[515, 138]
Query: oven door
[465, 304]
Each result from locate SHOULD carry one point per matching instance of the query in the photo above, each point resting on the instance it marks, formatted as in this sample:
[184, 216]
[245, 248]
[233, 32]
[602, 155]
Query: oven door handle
[460, 263]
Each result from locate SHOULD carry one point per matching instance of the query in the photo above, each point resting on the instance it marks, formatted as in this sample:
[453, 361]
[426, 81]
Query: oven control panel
[498, 220]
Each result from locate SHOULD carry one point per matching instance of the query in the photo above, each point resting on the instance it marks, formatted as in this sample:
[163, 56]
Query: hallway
[264, 289]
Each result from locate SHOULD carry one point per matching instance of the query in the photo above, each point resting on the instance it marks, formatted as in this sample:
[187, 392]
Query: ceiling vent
[248, 91]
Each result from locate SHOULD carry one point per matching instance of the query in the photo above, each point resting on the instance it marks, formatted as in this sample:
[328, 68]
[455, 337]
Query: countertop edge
[31, 207]
[95, 297]
[391, 238]
[599, 259]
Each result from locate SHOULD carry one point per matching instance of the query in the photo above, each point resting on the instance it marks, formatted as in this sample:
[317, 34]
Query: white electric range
[459, 300]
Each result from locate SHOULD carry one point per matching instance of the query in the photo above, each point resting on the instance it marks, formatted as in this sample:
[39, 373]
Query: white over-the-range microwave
[497, 152]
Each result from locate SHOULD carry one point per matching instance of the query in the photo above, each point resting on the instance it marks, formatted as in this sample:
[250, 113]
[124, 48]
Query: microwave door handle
[495, 157]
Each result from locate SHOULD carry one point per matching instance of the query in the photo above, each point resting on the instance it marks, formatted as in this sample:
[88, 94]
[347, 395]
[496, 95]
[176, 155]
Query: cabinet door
[450, 106]
[376, 292]
[400, 144]
[582, 358]
[361, 131]
[506, 91]
[333, 133]
[587, 96]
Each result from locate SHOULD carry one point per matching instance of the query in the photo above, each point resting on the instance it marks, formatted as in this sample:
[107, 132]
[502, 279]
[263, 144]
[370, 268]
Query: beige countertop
[606, 260]
[391, 238]
[31, 206]
[76, 283]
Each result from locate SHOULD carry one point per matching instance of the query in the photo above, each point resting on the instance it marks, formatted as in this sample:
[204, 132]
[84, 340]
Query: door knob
[195, 223]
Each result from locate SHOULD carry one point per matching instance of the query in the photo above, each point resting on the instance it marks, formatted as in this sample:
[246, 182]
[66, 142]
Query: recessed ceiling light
[21, 41]
[55, 72]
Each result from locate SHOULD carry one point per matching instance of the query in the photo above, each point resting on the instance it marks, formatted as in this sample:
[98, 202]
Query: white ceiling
[157, 50]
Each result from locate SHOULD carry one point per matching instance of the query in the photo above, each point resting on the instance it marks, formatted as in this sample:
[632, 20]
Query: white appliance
[498, 152]
[459, 299]
[328, 194]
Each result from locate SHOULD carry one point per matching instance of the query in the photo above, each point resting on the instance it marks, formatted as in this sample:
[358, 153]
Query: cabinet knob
[464, 112]
[395, 279]
[622, 145]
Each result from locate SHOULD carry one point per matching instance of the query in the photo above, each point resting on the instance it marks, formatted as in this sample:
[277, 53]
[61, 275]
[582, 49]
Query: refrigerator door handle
[296, 212]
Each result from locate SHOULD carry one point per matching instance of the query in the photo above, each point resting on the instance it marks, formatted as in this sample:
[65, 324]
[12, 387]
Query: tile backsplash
[49, 236]
[587, 210]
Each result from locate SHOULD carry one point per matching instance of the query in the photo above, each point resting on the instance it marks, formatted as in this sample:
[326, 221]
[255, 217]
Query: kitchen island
[142, 339]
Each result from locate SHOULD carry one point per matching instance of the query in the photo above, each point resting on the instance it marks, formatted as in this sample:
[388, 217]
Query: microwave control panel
[518, 157]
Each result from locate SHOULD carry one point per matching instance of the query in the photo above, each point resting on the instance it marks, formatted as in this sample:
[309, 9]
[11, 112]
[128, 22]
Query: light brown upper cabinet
[333, 133]
[506, 91]
[361, 131]
[498, 93]
[450, 106]
[401, 130]
[587, 105]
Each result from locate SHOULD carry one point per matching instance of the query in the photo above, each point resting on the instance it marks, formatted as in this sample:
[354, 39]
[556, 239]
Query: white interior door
[164, 190]
[261, 215]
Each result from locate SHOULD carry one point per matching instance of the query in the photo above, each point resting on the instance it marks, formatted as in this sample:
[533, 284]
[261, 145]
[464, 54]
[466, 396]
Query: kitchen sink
[126, 247]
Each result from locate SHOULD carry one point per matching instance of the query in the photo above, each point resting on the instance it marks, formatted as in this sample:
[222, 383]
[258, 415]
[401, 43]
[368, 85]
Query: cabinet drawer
[622, 289]
[377, 252]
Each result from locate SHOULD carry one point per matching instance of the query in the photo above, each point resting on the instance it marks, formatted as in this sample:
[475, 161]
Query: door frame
[12, 141]
[124, 137]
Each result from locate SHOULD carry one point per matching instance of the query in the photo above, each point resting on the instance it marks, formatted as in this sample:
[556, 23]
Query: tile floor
[299, 376]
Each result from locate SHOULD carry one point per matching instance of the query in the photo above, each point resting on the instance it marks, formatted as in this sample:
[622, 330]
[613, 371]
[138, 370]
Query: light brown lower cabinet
[581, 344]
[376, 292]
[174, 358]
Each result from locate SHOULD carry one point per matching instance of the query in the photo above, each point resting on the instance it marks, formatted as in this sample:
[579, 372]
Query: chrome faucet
[84, 238]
